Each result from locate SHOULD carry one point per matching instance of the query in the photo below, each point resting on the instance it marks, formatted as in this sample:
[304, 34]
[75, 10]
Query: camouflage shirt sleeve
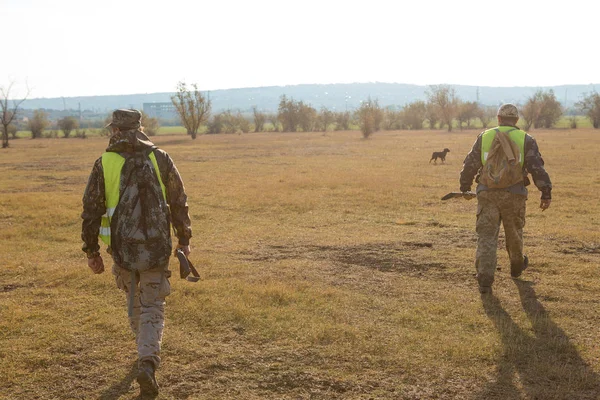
[94, 207]
[176, 197]
[534, 164]
[471, 166]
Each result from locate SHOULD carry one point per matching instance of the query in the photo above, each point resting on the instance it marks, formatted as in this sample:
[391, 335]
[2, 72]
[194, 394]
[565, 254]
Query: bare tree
[193, 108]
[259, 119]
[444, 100]
[67, 124]
[8, 112]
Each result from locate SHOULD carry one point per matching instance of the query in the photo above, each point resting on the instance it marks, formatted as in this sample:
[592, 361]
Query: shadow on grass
[120, 388]
[543, 366]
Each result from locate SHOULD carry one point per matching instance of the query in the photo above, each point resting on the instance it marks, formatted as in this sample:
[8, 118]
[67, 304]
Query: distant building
[160, 110]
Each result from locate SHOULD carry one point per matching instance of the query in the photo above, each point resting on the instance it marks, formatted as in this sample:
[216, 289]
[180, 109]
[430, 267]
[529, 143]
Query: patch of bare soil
[398, 257]
[581, 248]
[10, 287]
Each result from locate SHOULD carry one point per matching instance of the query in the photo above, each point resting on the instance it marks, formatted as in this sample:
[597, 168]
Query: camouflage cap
[508, 110]
[126, 119]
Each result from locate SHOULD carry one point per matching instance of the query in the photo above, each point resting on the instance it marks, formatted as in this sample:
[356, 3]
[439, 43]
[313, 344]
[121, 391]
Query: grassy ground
[331, 270]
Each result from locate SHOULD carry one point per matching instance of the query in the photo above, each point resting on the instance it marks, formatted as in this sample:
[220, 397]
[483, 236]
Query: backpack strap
[507, 145]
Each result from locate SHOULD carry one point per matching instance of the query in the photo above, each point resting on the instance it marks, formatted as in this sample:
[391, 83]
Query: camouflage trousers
[148, 317]
[494, 207]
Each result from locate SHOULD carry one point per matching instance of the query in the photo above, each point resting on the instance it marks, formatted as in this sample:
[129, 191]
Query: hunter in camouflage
[147, 287]
[506, 205]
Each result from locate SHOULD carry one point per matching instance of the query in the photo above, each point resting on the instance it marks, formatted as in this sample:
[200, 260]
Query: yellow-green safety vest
[112, 164]
[516, 135]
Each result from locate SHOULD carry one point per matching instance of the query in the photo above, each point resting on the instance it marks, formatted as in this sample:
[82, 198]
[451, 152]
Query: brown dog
[439, 154]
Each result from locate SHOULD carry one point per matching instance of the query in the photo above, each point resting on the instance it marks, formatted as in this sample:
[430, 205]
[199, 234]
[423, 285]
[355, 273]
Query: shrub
[38, 123]
[67, 124]
[150, 125]
[12, 130]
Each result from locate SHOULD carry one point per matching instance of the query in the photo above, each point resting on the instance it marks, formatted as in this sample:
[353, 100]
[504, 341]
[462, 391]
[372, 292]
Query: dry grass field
[330, 270]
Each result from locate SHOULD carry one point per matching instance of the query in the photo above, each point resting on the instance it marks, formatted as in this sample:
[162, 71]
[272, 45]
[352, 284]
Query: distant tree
[307, 117]
[228, 122]
[415, 114]
[12, 130]
[67, 124]
[105, 131]
[573, 121]
[325, 118]
[259, 119]
[392, 119]
[287, 114]
[192, 107]
[150, 125]
[444, 100]
[486, 114]
[273, 118]
[342, 120]
[242, 123]
[38, 123]
[431, 114]
[531, 110]
[8, 112]
[370, 117]
[216, 124]
[590, 106]
[467, 112]
[541, 110]
[551, 111]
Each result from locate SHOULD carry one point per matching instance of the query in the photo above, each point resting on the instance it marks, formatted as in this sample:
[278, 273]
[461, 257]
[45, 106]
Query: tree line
[442, 109]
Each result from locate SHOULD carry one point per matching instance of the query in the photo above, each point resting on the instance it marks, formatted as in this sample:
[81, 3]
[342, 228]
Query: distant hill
[332, 96]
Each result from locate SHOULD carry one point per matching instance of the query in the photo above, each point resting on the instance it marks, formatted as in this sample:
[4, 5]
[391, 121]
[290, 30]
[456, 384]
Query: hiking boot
[146, 379]
[485, 289]
[525, 265]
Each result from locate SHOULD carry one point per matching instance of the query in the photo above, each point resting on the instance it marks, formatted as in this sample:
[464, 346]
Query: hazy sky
[84, 47]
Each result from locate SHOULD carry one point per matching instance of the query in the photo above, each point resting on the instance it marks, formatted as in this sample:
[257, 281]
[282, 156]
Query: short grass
[331, 270]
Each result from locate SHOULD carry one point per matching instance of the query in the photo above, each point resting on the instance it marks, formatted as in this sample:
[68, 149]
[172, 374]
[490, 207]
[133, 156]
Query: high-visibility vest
[516, 135]
[112, 164]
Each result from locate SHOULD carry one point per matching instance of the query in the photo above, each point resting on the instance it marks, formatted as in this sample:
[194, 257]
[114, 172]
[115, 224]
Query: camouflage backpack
[140, 226]
[502, 167]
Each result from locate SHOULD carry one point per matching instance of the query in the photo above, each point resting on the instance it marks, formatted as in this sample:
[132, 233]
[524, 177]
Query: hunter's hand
[186, 249]
[544, 204]
[96, 264]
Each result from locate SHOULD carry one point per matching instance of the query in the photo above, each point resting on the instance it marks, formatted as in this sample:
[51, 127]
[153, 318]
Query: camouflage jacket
[534, 164]
[94, 196]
